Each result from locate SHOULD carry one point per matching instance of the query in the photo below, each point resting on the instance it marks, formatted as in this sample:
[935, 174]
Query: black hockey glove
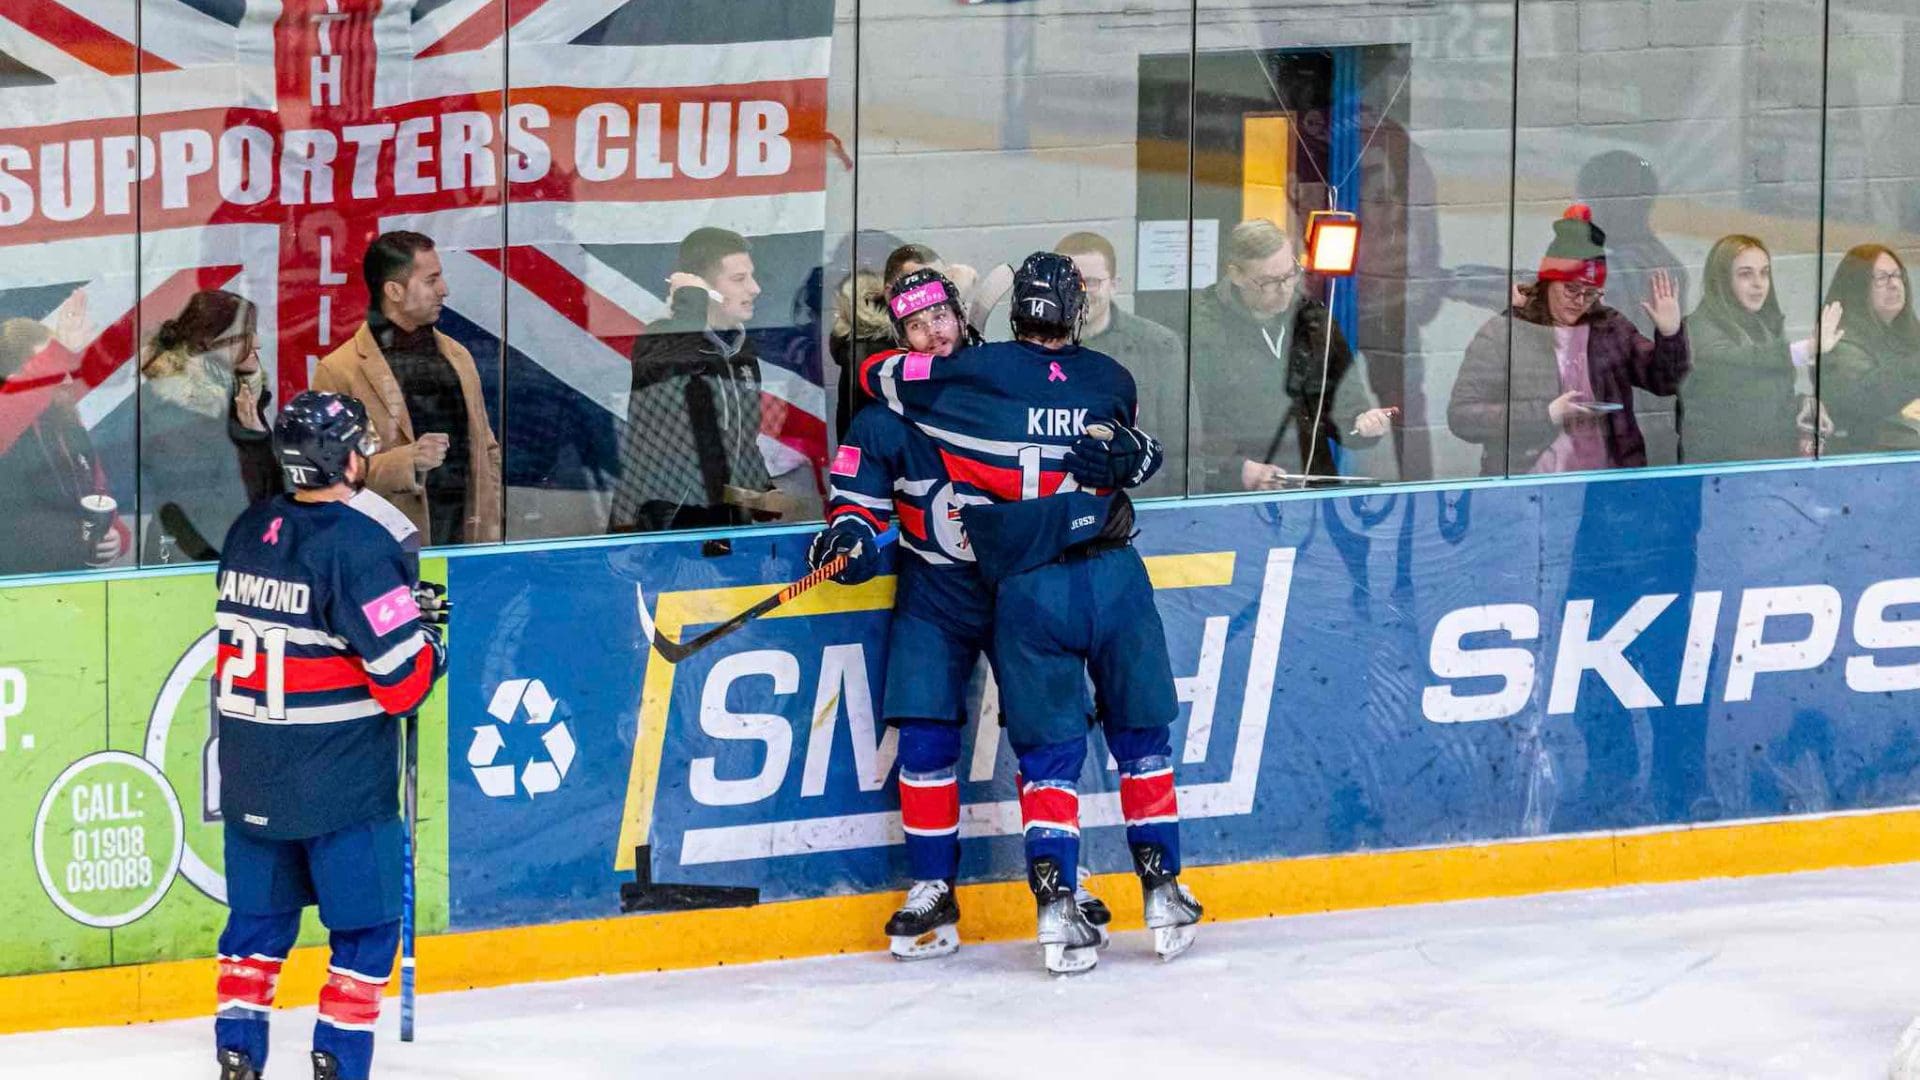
[431, 597]
[432, 632]
[1126, 460]
[853, 538]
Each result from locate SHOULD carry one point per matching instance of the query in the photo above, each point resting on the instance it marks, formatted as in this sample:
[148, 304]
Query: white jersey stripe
[312, 714]
[391, 660]
[883, 505]
[988, 446]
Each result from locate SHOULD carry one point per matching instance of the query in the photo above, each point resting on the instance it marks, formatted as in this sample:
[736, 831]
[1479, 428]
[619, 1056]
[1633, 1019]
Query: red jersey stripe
[406, 695]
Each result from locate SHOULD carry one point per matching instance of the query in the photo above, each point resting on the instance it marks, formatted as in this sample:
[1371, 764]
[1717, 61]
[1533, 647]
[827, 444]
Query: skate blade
[1171, 941]
[935, 943]
[1069, 960]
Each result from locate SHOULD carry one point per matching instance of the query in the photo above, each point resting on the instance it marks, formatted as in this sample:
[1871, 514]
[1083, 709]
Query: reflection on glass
[1150, 353]
[1624, 189]
[1064, 134]
[638, 133]
[70, 170]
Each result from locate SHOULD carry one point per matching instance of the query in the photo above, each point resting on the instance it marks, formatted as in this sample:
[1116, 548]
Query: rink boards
[1391, 696]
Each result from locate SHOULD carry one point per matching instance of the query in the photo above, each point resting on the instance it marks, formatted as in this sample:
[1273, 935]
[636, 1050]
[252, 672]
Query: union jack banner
[556, 150]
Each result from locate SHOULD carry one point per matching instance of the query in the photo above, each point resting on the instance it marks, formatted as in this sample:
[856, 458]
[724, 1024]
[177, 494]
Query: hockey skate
[1091, 906]
[237, 1065]
[927, 925]
[1170, 909]
[1068, 942]
[324, 1066]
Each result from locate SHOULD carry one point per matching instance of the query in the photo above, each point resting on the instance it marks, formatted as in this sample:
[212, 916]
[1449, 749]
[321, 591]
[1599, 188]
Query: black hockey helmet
[317, 434]
[916, 292]
[1049, 297]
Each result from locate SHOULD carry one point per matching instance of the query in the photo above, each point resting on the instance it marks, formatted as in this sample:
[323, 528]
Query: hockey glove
[853, 538]
[431, 597]
[432, 632]
[1124, 461]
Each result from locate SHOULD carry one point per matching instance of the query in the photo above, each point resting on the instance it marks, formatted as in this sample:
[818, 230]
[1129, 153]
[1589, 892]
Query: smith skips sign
[1377, 671]
[109, 777]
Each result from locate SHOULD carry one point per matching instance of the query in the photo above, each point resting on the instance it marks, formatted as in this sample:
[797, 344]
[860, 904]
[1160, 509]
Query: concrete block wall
[988, 130]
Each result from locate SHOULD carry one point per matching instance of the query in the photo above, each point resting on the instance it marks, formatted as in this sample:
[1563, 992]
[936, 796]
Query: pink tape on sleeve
[394, 609]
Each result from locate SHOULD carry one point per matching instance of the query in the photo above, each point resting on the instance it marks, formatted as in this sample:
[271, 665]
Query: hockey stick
[409, 886]
[675, 651]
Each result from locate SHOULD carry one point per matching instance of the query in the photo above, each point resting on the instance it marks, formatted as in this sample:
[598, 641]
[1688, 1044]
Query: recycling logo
[520, 701]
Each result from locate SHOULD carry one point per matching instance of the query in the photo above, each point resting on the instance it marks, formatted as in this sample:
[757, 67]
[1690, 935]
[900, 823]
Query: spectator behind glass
[860, 329]
[1275, 386]
[690, 457]
[206, 451]
[1742, 401]
[1871, 379]
[1623, 187]
[439, 462]
[979, 295]
[1149, 351]
[1560, 398]
[52, 483]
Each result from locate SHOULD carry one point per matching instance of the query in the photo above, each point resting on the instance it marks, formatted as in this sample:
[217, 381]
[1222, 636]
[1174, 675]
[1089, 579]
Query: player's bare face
[422, 295]
[935, 330]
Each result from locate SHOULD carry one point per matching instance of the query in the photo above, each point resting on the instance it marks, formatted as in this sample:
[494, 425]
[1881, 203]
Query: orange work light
[1333, 242]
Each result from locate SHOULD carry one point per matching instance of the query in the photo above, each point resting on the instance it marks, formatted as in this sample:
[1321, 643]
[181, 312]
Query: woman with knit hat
[1548, 386]
[1749, 396]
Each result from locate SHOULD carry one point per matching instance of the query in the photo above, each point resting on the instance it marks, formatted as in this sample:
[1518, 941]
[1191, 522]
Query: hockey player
[1043, 427]
[943, 615]
[322, 646]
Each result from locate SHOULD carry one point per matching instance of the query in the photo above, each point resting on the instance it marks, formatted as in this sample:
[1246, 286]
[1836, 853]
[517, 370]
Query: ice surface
[1795, 976]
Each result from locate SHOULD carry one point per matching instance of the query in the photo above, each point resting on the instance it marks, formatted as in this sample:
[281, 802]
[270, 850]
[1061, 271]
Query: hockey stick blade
[675, 651]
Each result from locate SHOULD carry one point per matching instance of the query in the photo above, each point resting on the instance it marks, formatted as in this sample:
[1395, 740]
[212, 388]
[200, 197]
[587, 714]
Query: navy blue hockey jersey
[885, 466]
[321, 647]
[1002, 417]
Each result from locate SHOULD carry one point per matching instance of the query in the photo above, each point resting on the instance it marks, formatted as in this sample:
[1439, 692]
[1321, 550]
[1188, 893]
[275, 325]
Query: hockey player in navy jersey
[322, 646]
[943, 614]
[1044, 428]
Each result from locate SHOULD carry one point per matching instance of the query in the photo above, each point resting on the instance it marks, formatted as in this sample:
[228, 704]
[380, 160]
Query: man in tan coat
[439, 461]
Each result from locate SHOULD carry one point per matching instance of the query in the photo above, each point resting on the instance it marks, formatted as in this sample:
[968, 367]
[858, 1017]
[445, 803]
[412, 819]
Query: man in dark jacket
[1151, 353]
[690, 457]
[1275, 385]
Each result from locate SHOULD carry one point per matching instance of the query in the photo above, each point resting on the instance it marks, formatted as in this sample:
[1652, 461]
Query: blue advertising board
[1386, 669]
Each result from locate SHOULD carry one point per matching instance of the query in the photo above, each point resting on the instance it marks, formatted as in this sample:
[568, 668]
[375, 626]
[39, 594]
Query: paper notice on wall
[1163, 260]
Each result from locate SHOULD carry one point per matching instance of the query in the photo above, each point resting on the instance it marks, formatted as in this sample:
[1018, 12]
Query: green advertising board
[109, 777]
